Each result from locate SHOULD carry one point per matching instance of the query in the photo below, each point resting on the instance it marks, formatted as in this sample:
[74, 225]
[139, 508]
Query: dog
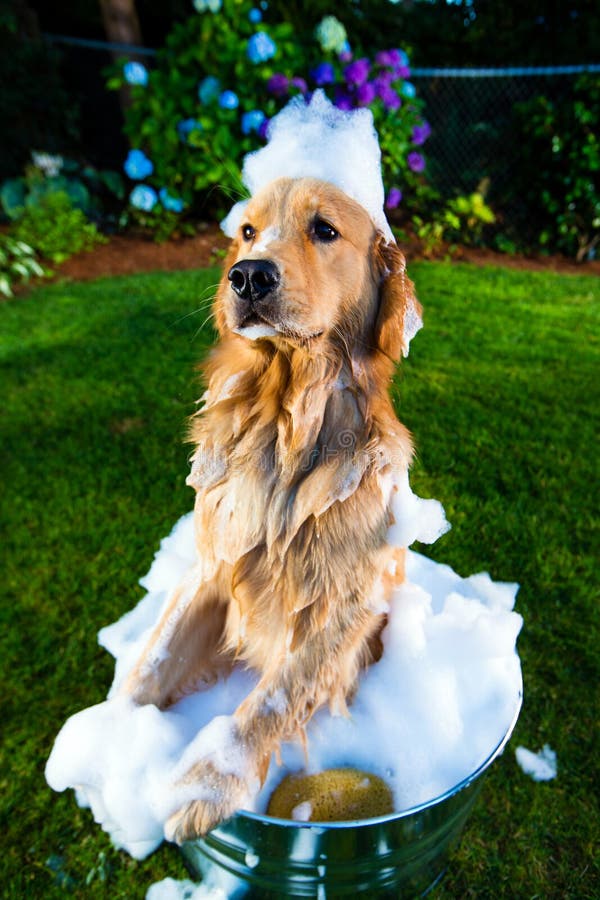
[295, 448]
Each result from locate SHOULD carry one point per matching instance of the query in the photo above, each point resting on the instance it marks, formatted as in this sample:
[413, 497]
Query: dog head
[308, 267]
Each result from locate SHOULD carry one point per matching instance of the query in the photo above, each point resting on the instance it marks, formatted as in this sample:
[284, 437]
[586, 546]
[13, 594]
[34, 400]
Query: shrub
[222, 75]
[557, 182]
[97, 193]
[18, 263]
[56, 228]
[462, 220]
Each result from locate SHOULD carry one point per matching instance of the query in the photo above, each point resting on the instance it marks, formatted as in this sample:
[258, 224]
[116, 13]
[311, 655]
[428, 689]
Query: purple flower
[382, 82]
[300, 84]
[393, 198]
[415, 161]
[278, 85]
[384, 58]
[357, 72]
[365, 94]
[343, 100]
[229, 100]
[263, 129]
[401, 72]
[390, 98]
[420, 133]
[398, 57]
[323, 74]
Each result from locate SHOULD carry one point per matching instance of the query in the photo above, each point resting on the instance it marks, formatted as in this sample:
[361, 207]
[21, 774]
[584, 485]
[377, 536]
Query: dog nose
[252, 279]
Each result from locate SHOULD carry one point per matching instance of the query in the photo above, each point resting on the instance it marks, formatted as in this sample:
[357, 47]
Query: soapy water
[425, 716]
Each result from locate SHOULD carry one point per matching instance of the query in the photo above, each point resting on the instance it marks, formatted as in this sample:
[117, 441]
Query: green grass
[500, 391]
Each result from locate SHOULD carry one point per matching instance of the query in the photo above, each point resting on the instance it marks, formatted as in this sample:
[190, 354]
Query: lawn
[501, 393]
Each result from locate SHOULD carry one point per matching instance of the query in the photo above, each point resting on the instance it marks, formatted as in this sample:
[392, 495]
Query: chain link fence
[471, 113]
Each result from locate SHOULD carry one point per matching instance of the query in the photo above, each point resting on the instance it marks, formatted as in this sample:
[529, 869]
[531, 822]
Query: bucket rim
[265, 819]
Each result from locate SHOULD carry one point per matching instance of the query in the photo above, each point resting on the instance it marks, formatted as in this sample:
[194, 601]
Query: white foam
[270, 234]
[540, 766]
[317, 140]
[427, 715]
[415, 519]
[302, 812]
[169, 889]
[255, 332]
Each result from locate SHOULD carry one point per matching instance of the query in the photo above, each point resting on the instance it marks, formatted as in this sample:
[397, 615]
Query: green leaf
[12, 197]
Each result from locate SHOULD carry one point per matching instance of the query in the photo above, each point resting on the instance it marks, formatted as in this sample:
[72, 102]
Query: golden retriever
[293, 450]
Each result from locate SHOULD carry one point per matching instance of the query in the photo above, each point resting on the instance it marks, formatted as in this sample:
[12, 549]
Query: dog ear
[399, 314]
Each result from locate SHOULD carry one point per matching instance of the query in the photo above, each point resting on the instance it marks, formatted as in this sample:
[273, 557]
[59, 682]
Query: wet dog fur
[293, 444]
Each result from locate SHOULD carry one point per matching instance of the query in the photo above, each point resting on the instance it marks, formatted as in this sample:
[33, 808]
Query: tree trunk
[122, 26]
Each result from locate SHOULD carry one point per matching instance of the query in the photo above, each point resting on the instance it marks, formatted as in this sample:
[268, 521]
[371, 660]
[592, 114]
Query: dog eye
[248, 232]
[323, 231]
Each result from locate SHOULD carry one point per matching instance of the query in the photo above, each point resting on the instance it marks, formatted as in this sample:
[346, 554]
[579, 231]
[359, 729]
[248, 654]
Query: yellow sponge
[335, 795]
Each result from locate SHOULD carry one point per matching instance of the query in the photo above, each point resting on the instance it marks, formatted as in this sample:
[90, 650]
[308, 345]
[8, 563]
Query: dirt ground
[126, 254]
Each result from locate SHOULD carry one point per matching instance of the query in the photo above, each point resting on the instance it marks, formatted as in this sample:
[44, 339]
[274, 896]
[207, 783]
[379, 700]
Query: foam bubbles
[449, 644]
[317, 140]
[539, 766]
[170, 889]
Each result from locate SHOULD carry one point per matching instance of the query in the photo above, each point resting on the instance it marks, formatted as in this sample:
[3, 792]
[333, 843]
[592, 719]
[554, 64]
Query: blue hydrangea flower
[186, 126]
[323, 74]
[209, 89]
[408, 89]
[135, 73]
[137, 165]
[143, 197]
[229, 100]
[251, 121]
[173, 204]
[255, 16]
[260, 47]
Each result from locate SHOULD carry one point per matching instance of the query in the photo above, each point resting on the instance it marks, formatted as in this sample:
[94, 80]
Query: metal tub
[396, 856]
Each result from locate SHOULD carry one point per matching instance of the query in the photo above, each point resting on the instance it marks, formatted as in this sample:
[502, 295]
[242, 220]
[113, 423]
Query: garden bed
[131, 253]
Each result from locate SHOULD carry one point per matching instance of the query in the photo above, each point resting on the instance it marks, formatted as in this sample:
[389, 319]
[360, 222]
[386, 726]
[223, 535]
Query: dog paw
[220, 796]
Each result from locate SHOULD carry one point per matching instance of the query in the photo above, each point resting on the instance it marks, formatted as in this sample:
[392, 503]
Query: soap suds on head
[317, 140]
[449, 642]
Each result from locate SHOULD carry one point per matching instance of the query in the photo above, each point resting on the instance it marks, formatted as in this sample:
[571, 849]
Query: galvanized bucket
[399, 855]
